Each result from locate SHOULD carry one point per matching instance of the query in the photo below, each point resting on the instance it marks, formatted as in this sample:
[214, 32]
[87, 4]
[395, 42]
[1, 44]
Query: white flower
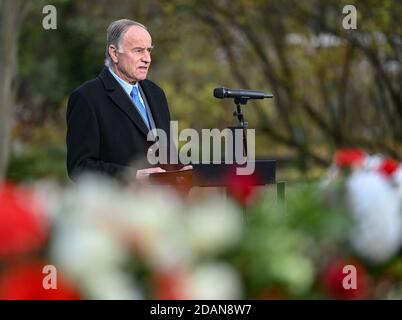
[217, 281]
[214, 226]
[111, 286]
[376, 208]
[93, 258]
[398, 180]
[373, 162]
[94, 197]
[158, 225]
[49, 195]
[80, 250]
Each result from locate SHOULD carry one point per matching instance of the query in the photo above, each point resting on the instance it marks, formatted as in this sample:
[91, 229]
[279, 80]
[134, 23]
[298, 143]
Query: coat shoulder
[93, 85]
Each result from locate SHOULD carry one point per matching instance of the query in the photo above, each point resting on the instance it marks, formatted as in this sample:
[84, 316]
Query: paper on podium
[173, 177]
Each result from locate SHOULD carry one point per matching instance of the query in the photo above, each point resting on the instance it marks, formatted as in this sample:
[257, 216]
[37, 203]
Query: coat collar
[122, 100]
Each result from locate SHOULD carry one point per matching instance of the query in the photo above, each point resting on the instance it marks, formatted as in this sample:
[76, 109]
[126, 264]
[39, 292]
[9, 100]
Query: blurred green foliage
[36, 163]
[285, 244]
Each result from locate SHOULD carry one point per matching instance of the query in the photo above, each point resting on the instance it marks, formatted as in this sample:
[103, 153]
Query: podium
[215, 175]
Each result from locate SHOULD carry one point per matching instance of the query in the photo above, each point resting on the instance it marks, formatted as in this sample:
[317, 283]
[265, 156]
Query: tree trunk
[9, 30]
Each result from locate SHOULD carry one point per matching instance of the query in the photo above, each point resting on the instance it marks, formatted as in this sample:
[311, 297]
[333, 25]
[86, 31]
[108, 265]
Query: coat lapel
[120, 98]
[155, 106]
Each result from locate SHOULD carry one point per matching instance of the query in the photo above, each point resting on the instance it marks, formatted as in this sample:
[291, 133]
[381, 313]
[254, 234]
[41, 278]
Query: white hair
[115, 33]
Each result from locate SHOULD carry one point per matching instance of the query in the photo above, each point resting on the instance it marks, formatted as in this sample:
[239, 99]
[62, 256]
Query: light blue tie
[140, 106]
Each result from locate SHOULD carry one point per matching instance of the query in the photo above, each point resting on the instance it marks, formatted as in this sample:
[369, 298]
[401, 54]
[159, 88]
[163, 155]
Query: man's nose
[146, 57]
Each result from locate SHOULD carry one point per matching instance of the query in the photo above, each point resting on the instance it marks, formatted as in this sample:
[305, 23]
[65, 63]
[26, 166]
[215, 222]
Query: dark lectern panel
[215, 175]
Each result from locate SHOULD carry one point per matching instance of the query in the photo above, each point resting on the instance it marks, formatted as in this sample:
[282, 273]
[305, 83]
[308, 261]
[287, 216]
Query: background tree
[333, 87]
[12, 14]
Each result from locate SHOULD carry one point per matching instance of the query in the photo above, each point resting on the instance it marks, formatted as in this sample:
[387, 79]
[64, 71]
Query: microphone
[222, 93]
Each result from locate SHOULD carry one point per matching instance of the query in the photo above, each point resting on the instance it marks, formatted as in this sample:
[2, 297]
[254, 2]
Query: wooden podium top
[213, 174]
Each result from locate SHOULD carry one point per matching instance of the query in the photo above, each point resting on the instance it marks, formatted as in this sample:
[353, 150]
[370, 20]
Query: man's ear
[113, 53]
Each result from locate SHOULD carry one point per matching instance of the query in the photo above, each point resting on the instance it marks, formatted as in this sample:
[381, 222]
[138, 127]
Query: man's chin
[141, 77]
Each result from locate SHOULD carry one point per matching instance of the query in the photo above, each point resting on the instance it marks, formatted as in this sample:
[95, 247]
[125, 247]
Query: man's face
[133, 58]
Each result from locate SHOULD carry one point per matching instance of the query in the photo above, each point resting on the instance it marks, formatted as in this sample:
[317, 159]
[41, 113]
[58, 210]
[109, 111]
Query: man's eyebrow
[143, 47]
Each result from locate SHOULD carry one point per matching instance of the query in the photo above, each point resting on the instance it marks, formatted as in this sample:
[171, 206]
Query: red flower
[388, 167]
[241, 187]
[25, 282]
[345, 279]
[346, 158]
[22, 223]
[171, 285]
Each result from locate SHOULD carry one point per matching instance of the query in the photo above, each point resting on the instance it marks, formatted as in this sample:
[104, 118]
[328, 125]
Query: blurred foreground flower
[388, 167]
[370, 189]
[376, 207]
[242, 188]
[146, 242]
[102, 230]
[349, 158]
[23, 225]
[25, 282]
[336, 284]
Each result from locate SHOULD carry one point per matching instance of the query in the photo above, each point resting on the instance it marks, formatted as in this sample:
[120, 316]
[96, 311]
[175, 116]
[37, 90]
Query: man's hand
[188, 167]
[144, 173]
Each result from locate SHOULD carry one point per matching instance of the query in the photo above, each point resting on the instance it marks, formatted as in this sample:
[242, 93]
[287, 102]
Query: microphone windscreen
[219, 93]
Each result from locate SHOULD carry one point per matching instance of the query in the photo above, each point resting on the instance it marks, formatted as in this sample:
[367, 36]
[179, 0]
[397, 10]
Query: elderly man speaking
[109, 117]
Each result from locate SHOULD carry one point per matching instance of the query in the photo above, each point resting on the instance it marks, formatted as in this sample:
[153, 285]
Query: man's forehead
[137, 34]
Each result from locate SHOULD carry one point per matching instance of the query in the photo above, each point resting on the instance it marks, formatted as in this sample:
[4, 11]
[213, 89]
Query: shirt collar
[128, 87]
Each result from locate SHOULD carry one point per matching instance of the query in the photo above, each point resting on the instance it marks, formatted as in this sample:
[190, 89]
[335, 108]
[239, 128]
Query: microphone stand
[242, 124]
